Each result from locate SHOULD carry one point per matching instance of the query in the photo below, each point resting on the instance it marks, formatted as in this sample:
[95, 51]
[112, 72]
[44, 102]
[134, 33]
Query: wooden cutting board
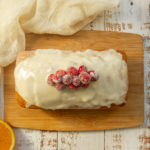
[132, 114]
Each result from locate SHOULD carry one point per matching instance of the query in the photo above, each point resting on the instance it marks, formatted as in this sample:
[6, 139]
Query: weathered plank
[132, 16]
[35, 140]
[81, 140]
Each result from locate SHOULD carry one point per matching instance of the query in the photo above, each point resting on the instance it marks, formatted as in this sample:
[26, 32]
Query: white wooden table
[130, 16]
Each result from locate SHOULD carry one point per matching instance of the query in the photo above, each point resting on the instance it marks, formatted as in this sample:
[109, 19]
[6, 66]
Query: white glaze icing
[111, 88]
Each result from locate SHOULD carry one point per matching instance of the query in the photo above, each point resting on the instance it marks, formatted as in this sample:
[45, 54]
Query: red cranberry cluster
[72, 78]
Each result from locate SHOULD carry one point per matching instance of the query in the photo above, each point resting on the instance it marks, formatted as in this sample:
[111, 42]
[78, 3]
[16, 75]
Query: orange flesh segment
[7, 137]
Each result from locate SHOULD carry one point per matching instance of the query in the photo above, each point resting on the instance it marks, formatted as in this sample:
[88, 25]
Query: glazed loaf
[33, 68]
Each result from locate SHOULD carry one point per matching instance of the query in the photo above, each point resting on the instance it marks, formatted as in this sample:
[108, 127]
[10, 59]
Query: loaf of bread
[34, 67]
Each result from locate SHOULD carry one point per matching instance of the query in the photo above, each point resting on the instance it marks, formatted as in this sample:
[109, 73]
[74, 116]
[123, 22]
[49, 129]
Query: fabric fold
[61, 17]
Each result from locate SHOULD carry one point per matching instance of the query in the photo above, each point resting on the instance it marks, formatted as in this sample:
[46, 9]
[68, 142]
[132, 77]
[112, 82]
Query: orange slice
[7, 136]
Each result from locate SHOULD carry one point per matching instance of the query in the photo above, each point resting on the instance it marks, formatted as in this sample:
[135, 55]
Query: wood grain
[80, 120]
[1, 94]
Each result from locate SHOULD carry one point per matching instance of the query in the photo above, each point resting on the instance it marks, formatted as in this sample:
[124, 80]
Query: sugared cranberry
[85, 85]
[72, 71]
[50, 79]
[84, 77]
[60, 73]
[60, 86]
[57, 79]
[82, 68]
[72, 78]
[71, 86]
[67, 79]
[76, 81]
[93, 75]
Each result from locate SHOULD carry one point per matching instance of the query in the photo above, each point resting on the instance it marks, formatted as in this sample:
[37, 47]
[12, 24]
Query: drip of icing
[111, 88]
[28, 105]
